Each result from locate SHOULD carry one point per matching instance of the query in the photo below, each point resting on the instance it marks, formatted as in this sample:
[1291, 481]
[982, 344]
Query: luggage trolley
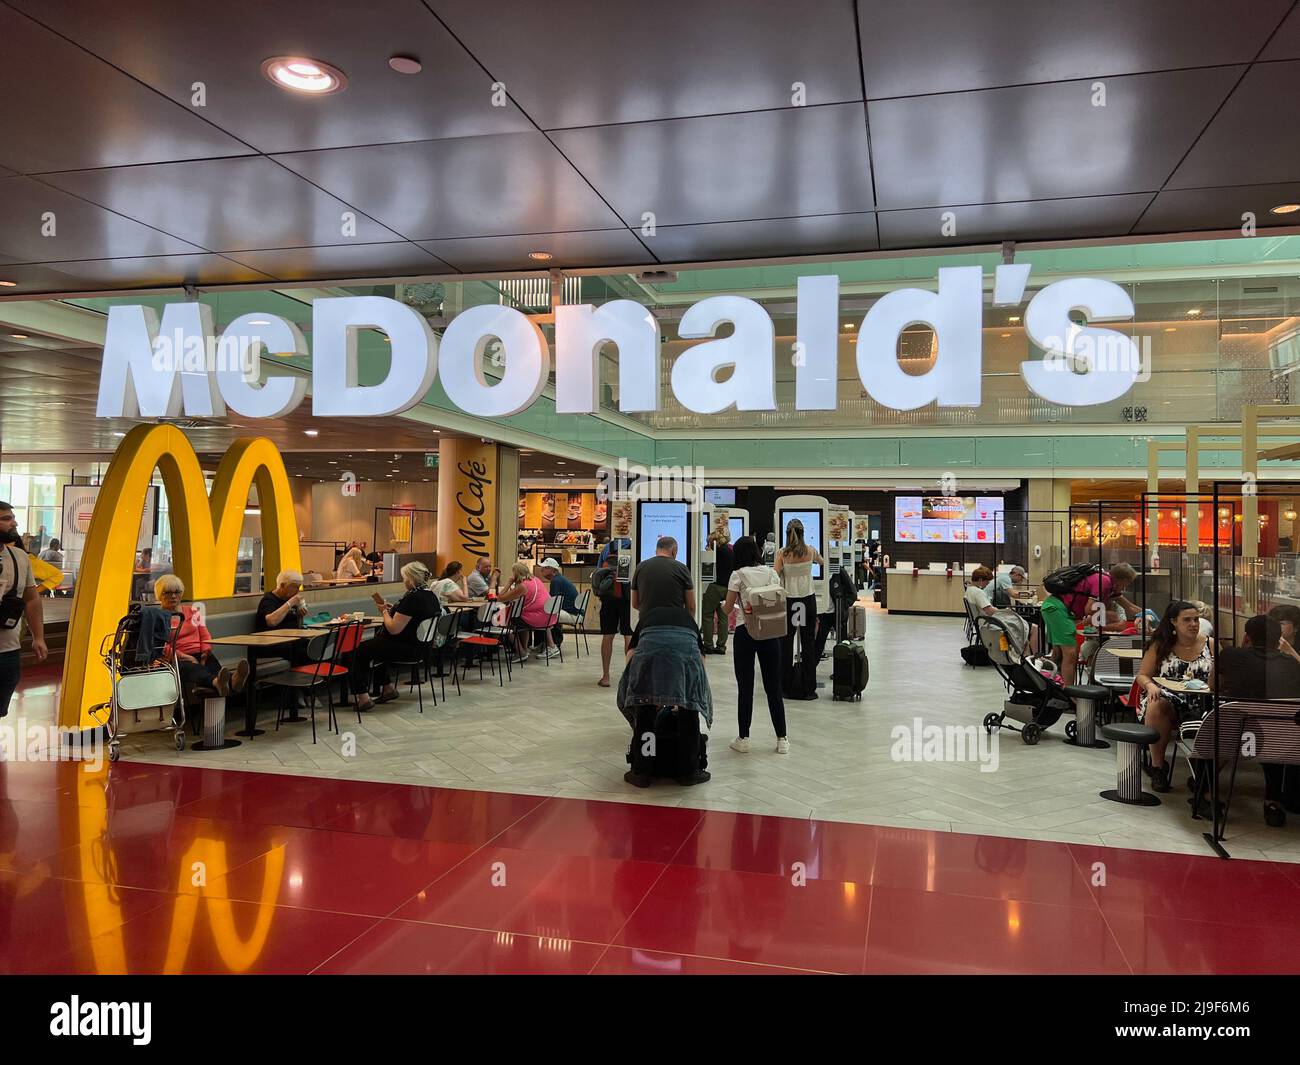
[142, 683]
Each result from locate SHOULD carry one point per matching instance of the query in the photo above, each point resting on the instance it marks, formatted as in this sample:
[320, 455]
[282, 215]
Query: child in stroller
[1037, 696]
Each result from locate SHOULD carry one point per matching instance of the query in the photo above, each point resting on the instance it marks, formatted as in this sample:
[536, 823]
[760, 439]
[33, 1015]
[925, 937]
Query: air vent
[657, 277]
[1270, 290]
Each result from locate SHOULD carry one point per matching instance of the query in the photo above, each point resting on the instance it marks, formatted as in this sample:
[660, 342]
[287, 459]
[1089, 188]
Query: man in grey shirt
[477, 581]
[662, 581]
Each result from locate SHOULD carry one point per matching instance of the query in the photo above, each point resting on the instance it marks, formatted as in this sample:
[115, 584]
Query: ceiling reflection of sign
[154, 369]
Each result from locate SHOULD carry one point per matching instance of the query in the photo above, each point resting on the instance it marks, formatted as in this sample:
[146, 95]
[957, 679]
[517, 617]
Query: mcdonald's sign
[205, 539]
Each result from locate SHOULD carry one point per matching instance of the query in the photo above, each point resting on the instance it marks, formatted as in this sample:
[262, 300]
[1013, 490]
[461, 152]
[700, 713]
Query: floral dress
[1175, 668]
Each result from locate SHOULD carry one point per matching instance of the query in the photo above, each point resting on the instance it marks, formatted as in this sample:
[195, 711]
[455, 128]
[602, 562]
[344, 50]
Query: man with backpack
[1073, 593]
[615, 605]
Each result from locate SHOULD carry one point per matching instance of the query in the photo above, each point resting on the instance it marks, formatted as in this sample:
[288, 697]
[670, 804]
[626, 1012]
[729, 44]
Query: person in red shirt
[192, 646]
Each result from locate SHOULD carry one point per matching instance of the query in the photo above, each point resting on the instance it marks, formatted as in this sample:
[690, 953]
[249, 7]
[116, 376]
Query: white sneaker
[554, 652]
[783, 745]
[741, 744]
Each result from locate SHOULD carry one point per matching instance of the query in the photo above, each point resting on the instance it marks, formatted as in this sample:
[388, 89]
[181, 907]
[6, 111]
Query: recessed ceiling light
[848, 325]
[311, 432]
[18, 336]
[405, 64]
[1170, 329]
[259, 321]
[302, 75]
[119, 434]
[541, 256]
[1285, 208]
[1006, 334]
[1013, 318]
[1193, 312]
[8, 284]
[334, 462]
[560, 462]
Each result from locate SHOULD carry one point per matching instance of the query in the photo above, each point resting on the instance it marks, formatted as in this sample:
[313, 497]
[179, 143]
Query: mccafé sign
[167, 369]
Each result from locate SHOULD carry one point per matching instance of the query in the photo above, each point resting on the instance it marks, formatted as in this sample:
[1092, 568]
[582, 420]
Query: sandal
[386, 697]
[603, 682]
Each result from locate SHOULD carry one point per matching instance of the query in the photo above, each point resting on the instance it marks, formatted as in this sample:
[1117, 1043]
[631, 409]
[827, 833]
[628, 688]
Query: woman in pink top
[534, 594]
[192, 646]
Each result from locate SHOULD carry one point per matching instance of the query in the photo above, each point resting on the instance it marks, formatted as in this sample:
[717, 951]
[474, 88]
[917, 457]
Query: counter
[928, 592]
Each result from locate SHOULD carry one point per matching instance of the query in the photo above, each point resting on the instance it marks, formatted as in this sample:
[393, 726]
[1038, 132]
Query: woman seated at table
[350, 565]
[977, 594]
[397, 639]
[1177, 651]
[197, 665]
[451, 587]
[533, 591]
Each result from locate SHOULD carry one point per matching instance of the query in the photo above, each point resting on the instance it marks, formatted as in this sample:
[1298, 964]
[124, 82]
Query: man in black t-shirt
[662, 581]
[1260, 671]
[283, 606]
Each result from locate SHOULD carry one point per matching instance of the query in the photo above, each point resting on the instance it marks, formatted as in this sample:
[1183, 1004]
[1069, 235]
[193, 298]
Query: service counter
[926, 592]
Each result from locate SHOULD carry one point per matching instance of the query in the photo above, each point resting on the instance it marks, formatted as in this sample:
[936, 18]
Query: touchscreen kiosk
[814, 520]
[656, 518]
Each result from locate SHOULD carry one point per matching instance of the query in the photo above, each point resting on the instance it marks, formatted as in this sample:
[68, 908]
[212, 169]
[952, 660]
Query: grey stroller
[1035, 701]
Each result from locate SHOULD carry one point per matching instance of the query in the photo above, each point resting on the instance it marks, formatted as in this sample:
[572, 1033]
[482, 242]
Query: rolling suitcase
[856, 627]
[666, 742]
[849, 670]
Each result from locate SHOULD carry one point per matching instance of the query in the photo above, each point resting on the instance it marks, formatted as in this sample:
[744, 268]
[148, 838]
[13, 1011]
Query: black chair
[444, 650]
[419, 659]
[579, 626]
[323, 666]
[553, 607]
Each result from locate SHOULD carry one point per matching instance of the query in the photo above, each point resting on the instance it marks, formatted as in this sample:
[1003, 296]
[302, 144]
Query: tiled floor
[145, 868]
[554, 732]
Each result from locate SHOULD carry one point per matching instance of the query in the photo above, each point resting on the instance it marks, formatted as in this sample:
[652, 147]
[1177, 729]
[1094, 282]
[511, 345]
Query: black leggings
[198, 674]
[372, 658]
[799, 680]
[768, 653]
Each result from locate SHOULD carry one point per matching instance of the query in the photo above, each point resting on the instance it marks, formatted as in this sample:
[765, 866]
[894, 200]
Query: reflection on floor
[554, 732]
[141, 868]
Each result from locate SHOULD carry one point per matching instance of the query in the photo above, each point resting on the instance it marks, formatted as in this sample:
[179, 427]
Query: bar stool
[1129, 741]
[1082, 731]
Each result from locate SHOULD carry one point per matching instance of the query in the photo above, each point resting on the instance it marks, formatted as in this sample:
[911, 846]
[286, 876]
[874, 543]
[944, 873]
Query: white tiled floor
[555, 732]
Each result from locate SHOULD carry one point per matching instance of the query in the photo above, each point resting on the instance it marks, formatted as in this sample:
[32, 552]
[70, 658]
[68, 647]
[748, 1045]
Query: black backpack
[1064, 580]
[603, 583]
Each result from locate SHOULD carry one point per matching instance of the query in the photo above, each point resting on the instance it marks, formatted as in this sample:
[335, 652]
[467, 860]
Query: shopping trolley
[146, 679]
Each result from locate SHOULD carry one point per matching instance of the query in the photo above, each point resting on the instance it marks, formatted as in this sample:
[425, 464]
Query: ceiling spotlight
[119, 434]
[1285, 208]
[259, 321]
[8, 284]
[1170, 329]
[405, 64]
[299, 74]
[334, 462]
[311, 432]
[1013, 318]
[18, 336]
[1193, 312]
[848, 325]
[541, 256]
[560, 462]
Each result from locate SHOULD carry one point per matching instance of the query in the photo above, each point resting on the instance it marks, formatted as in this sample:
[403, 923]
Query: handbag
[11, 603]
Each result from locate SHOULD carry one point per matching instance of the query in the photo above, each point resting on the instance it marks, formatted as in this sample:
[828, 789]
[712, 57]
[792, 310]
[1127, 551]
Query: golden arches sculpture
[205, 541]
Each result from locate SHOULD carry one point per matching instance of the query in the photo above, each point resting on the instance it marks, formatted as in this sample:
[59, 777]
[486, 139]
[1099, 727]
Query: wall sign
[153, 370]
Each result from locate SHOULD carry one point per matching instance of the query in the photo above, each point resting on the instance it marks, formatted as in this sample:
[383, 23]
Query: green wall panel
[1014, 452]
[939, 452]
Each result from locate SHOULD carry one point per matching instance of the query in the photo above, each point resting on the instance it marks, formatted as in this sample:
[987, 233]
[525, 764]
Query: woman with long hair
[349, 567]
[751, 573]
[794, 564]
[1176, 651]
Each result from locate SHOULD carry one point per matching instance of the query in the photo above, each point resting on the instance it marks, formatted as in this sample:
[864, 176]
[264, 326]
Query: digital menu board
[949, 519]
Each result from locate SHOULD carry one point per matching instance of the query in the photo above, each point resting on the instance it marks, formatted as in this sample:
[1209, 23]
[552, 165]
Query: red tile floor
[147, 868]
[139, 868]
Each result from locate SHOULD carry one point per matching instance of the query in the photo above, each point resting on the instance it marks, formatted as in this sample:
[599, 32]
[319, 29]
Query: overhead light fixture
[119, 434]
[8, 284]
[1013, 318]
[311, 432]
[1193, 312]
[541, 256]
[18, 336]
[848, 325]
[1285, 208]
[560, 462]
[259, 321]
[1170, 329]
[334, 462]
[1006, 335]
[405, 64]
[252, 510]
[311, 77]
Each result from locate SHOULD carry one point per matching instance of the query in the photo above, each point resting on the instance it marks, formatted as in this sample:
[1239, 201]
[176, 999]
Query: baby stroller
[1036, 701]
[140, 659]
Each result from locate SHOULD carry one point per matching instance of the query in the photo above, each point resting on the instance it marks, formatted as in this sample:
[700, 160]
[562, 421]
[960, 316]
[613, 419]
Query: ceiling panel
[576, 250]
[467, 187]
[1175, 210]
[768, 164]
[64, 109]
[343, 261]
[934, 46]
[42, 224]
[1286, 41]
[223, 44]
[158, 271]
[589, 62]
[765, 238]
[987, 223]
[226, 204]
[1251, 141]
[1041, 141]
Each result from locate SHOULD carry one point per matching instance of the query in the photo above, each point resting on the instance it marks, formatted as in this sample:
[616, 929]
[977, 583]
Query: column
[468, 475]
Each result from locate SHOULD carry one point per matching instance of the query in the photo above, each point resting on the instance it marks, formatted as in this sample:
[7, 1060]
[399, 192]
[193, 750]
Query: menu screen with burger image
[949, 519]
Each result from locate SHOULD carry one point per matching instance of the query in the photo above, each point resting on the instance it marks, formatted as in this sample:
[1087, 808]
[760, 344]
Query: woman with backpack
[794, 563]
[760, 627]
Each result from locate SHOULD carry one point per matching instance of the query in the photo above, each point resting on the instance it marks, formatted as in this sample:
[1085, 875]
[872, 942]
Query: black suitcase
[666, 742]
[848, 670]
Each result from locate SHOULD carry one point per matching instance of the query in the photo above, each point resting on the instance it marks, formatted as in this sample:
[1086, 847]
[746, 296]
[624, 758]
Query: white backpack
[764, 607]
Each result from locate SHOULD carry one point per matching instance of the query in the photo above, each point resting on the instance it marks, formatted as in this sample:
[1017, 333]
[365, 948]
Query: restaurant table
[1133, 653]
[467, 604]
[252, 641]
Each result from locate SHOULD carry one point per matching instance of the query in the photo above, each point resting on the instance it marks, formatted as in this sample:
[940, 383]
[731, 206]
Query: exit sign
[431, 461]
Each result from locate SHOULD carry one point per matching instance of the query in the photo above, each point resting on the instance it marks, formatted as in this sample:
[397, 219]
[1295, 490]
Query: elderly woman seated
[192, 647]
[665, 672]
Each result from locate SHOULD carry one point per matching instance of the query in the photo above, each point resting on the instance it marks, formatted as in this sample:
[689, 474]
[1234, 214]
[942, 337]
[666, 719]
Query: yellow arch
[205, 536]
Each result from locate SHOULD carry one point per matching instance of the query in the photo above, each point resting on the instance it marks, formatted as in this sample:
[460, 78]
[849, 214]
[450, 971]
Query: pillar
[507, 504]
[468, 490]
